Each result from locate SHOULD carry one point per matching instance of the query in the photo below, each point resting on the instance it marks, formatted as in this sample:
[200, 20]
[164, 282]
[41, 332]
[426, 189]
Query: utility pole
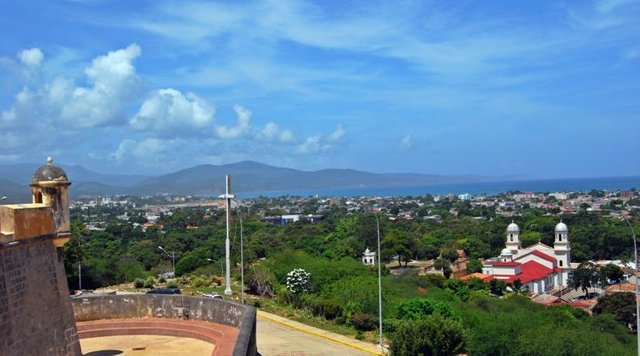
[79, 265]
[635, 252]
[227, 197]
[241, 260]
[379, 286]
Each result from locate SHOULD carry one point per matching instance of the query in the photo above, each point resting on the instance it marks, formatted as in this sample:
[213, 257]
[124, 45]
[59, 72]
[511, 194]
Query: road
[279, 336]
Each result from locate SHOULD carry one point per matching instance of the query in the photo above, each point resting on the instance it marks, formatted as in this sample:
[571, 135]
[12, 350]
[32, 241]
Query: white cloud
[312, 144]
[31, 57]
[319, 143]
[114, 83]
[242, 127]
[406, 142]
[169, 111]
[337, 135]
[147, 152]
[272, 133]
[631, 54]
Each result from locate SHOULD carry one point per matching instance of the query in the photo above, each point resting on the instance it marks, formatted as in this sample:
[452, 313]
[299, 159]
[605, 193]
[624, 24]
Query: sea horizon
[475, 188]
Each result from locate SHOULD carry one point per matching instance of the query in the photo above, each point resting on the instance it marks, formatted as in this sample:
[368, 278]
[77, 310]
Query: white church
[540, 268]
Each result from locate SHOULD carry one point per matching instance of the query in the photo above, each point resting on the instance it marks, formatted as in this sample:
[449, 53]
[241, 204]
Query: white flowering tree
[298, 281]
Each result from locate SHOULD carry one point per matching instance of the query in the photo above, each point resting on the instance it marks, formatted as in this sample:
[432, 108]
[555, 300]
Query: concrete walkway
[281, 336]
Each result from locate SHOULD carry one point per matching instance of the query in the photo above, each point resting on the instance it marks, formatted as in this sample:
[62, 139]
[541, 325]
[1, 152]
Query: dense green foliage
[441, 316]
[432, 335]
[621, 305]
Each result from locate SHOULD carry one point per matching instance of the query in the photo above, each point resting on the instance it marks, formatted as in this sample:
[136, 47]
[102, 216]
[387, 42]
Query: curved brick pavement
[222, 336]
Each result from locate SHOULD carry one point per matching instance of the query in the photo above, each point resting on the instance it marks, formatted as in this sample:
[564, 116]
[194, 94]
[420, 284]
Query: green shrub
[433, 335]
[418, 308]
[149, 282]
[359, 335]
[200, 282]
[172, 284]
[162, 280]
[257, 303]
[433, 280]
[331, 308]
[390, 325]
[138, 283]
[363, 321]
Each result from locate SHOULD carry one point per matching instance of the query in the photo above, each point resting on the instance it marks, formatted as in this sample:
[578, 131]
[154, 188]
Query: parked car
[592, 295]
[164, 291]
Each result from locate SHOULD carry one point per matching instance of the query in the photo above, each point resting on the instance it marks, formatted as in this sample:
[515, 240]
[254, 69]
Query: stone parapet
[25, 221]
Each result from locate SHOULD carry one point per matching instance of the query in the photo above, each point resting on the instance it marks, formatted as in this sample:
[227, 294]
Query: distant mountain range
[246, 176]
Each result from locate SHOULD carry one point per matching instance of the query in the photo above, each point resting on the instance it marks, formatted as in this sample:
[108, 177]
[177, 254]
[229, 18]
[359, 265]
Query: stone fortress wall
[36, 317]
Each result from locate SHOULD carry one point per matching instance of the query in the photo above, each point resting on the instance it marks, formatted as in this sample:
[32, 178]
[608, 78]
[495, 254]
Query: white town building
[369, 258]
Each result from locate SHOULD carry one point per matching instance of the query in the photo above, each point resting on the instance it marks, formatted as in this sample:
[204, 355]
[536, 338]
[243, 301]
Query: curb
[304, 330]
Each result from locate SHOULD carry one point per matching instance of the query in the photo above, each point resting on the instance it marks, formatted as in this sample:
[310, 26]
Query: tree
[497, 287]
[261, 280]
[622, 305]
[612, 273]
[400, 244]
[474, 266]
[418, 308]
[516, 286]
[449, 253]
[529, 238]
[298, 281]
[443, 265]
[584, 277]
[433, 335]
[187, 264]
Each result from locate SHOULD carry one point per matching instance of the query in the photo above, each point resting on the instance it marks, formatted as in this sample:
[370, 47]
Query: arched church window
[511, 236]
[560, 263]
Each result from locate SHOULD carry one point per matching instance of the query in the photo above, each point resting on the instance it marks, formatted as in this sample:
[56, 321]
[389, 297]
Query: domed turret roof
[513, 227]
[562, 227]
[49, 172]
[506, 252]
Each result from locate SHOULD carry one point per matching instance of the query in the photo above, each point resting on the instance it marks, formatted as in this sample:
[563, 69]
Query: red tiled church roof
[529, 271]
[543, 256]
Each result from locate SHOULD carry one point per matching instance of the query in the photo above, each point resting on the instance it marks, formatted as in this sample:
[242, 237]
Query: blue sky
[537, 89]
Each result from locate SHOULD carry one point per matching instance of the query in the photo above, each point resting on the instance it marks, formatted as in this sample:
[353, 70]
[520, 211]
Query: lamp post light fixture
[173, 259]
[379, 286]
[241, 261]
[635, 251]
[227, 243]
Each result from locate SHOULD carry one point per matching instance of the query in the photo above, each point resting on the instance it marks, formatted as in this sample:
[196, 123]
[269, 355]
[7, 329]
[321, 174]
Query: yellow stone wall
[25, 221]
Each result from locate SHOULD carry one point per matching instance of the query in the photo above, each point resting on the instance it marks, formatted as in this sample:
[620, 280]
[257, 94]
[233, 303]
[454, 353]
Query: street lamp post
[173, 259]
[79, 266]
[635, 251]
[227, 198]
[379, 286]
[241, 261]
